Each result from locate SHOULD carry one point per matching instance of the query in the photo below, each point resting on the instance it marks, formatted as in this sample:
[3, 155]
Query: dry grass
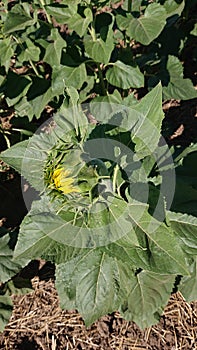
[38, 322]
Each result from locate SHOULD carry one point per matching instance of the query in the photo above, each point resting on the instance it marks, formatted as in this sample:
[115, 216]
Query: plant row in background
[48, 47]
[62, 55]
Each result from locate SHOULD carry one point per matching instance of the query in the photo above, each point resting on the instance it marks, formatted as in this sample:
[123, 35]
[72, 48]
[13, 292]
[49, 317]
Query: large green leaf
[188, 285]
[40, 102]
[64, 76]
[18, 18]
[96, 284]
[124, 76]
[143, 118]
[37, 242]
[106, 222]
[146, 27]
[147, 295]
[93, 283]
[103, 227]
[165, 254]
[185, 227]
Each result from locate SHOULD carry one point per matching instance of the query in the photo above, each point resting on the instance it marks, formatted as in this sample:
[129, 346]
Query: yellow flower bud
[63, 182]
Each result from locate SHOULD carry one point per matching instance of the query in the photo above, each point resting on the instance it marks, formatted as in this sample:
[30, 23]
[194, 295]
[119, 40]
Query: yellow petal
[62, 182]
[66, 189]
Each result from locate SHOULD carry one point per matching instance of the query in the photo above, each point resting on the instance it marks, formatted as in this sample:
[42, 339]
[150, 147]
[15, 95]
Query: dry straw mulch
[38, 322]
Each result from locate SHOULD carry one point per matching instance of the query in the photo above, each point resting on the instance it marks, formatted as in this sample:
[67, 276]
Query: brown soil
[38, 322]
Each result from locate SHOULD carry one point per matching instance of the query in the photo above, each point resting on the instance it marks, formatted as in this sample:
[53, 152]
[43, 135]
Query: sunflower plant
[104, 214]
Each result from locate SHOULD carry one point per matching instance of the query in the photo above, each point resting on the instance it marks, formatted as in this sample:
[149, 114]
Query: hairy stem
[115, 177]
[102, 83]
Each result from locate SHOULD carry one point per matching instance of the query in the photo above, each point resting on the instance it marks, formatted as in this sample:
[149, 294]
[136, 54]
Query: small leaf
[98, 49]
[14, 155]
[146, 28]
[104, 106]
[125, 76]
[130, 100]
[178, 87]
[26, 157]
[87, 88]
[40, 102]
[80, 24]
[24, 108]
[30, 52]
[174, 7]
[54, 49]
[61, 12]
[149, 125]
[16, 86]
[194, 30]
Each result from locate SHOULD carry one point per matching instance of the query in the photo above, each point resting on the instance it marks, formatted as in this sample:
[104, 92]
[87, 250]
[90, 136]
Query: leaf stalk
[101, 80]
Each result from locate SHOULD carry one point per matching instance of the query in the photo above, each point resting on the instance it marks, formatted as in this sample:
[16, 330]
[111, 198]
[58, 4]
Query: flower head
[63, 182]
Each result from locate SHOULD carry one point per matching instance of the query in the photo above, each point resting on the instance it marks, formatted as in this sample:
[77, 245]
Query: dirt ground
[38, 322]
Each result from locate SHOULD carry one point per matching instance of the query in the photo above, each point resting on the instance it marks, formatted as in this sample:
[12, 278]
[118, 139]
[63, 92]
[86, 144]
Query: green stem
[102, 83]
[92, 33]
[115, 177]
[7, 140]
[75, 217]
[103, 177]
[30, 61]
[47, 15]
[34, 68]
[129, 5]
